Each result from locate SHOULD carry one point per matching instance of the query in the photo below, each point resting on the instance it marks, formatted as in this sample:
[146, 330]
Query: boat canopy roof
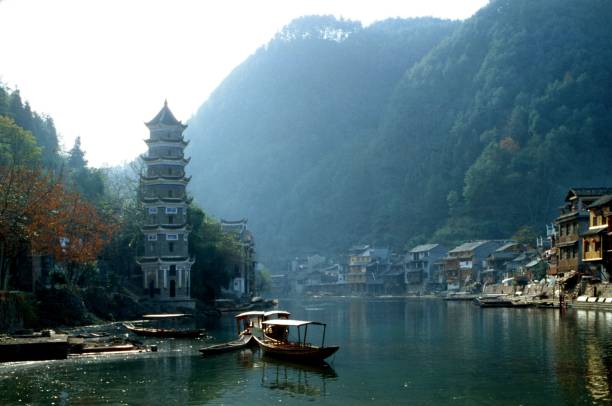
[276, 312]
[288, 322]
[250, 314]
[165, 316]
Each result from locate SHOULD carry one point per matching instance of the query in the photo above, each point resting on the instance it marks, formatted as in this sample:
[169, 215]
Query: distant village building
[597, 240]
[419, 265]
[365, 267]
[242, 281]
[166, 264]
[464, 264]
[572, 223]
[500, 263]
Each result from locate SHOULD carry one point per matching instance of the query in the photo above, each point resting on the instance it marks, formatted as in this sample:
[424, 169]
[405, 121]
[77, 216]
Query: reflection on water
[307, 380]
[391, 351]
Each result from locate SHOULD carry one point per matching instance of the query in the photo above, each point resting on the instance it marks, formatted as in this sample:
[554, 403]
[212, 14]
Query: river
[392, 351]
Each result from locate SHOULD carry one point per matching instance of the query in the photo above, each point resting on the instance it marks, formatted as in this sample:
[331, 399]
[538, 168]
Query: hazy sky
[101, 68]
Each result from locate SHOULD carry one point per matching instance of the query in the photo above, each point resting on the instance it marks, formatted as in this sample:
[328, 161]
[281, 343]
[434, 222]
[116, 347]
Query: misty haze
[328, 202]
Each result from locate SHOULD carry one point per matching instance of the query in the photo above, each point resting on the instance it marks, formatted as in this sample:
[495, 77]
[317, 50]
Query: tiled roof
[423, 247]
[588, 192]
[164, 116]
[605, 199]
[506, 246]
[468, 246]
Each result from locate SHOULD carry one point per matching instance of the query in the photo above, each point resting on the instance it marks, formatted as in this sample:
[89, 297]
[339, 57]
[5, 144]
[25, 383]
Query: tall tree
[76, 156]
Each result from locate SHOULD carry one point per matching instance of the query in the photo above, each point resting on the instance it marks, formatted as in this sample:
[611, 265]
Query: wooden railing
[567, 238]
[592, 255]
[566, 265]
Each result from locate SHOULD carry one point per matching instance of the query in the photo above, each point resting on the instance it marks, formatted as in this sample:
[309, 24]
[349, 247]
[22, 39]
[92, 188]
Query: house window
[171, 237]
[152, 237]
[171, 219]
[171, 247]
[171, 210]
[152, 210]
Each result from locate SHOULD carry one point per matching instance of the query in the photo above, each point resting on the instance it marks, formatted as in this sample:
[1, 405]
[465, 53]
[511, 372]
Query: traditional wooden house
[497, 263]
[597, 241]
[419, 266]
[242, 271]
[571, 224]
[166, 263]
[464, 263]
[365, 266]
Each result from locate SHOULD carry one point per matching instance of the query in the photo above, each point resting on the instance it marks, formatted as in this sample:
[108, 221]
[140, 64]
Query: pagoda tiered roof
[167, 199]
[183, 227]
[164, 260]
[172, 160]
[153, 141]
[166, 181]
[165, 118]
[164, 176]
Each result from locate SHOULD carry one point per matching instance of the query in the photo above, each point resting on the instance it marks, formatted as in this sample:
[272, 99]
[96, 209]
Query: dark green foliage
[213, 252]
[76, 156]
[410, 128]
[62, 307]
[41, 127]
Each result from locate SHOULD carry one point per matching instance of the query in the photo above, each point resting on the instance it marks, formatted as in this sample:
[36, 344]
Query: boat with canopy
[275, 341]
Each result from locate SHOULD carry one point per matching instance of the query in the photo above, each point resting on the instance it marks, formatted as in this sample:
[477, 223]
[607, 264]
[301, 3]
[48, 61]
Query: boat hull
[295, 352]
[164, 333]
[229, 346]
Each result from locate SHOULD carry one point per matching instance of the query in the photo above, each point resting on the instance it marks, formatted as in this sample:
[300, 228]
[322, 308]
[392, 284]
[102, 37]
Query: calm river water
[392, 351]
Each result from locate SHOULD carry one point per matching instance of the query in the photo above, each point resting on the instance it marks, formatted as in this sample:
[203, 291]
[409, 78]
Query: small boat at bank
[245, 323]
[460, 296]
[494, 301]
[164, 331]
[275, 342]
[238, 344]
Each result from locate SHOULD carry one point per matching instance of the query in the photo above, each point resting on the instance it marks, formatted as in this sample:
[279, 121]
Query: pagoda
[166, 264]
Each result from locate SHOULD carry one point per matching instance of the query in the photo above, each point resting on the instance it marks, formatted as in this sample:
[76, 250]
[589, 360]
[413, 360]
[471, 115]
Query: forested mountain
[334, 134]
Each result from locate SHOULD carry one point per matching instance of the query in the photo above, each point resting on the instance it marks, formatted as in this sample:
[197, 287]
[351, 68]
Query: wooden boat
[238, 344]
[459, 296]
[246, 324]
[164, 332]
[275, 342]
[493, 301]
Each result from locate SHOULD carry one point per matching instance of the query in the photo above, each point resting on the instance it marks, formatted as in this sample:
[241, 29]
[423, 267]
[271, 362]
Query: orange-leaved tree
[36, 209]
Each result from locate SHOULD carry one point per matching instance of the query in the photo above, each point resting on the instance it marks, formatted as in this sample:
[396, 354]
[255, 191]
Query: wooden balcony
[593, 256]
[567, 239]
[566, 265]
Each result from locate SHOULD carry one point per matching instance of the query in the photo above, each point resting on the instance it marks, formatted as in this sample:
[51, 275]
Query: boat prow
[243, 342]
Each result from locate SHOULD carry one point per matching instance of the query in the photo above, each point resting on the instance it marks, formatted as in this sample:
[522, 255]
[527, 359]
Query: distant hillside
[407, 130]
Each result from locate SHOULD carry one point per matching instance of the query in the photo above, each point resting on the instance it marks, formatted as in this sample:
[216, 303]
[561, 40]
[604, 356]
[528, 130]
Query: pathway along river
[392, 351]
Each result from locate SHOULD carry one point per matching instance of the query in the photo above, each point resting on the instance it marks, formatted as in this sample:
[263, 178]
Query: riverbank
[63, 307]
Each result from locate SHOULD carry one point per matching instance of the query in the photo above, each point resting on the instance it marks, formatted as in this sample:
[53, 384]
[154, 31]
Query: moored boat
[245, 323]
[163, 331]
[238, 344]
[275, 342]
[493, 301]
